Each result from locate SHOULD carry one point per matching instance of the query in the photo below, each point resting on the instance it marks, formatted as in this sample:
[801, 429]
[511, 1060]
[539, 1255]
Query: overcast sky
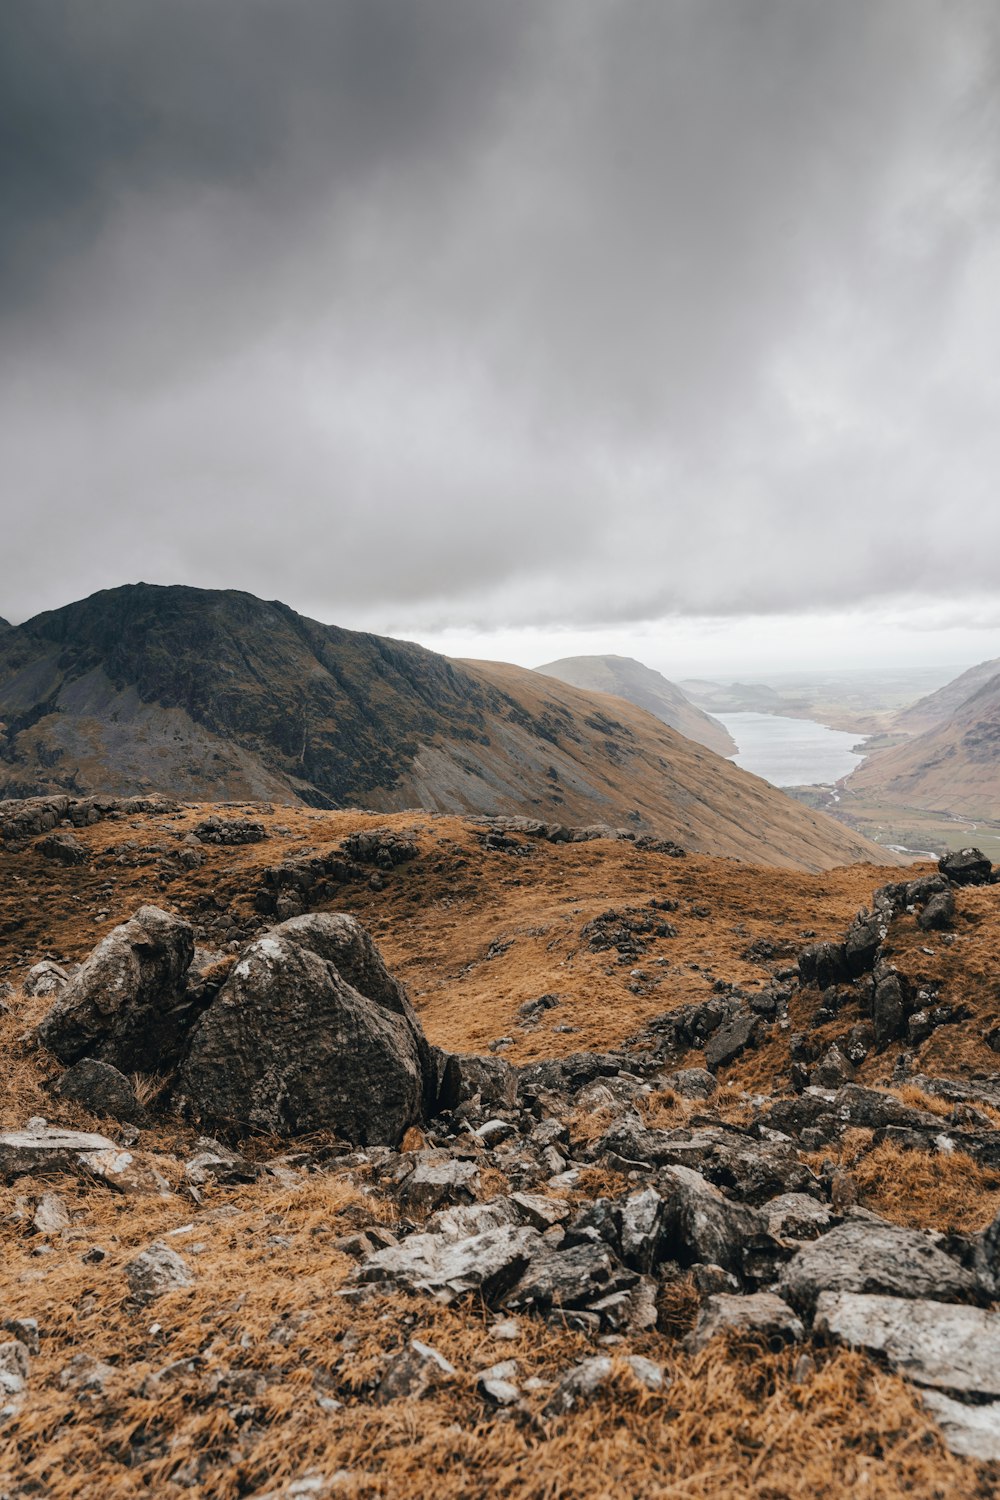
[664, 326]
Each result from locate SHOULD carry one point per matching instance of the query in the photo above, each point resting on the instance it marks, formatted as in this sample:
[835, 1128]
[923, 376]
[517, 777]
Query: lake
[791, 752]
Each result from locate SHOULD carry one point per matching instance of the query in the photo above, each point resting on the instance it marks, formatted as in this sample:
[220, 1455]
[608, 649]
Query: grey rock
[966, 867]
[569, 1278]
[45, 978]
[102, 1090]
[85, 1373]
[414, 1372]
[579, 1385]
[968, 1431]
[63, 848]
[796, 1216]
[823, 965]
[311, 1032]
[932, 1343]
[25, 1330]
[126, 1004]
[861, 945]
[700, 1225]
[156, 1271]
[761, 1316]
[889, 1008]
[15, 1367]
[874, 1258]
[939, 913]
[496, 1385]
[214, 1162]
[585, 1380]
[42, 1149]
[464, 1078]
[832, 1070]
[489, 1263]
[51, 1214]
[731, 1041]
[433, 1183]
[692, 1083]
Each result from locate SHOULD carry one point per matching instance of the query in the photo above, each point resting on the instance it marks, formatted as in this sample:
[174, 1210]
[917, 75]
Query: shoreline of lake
[791, 752]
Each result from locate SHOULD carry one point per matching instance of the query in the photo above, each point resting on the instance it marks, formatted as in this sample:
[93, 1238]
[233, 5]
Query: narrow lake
[791, 752]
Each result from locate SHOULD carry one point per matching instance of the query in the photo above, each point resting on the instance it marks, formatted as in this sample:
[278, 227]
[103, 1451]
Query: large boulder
[874, 1258]
[127, 1004]
[311, 1032]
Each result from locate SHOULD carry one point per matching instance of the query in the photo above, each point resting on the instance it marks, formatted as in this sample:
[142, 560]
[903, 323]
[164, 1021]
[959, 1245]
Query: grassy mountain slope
[219, 695]
[952, 768]
[937, 708]
[624, 677]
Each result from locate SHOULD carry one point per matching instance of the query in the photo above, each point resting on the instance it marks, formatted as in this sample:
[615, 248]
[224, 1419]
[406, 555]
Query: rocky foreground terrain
[366, 1155]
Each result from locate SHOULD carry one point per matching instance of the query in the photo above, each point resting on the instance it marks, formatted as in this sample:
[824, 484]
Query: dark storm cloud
[572, 310]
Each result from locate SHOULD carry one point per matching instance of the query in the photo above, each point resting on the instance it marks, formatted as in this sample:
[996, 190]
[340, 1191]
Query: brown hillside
[259, 1377]
[220, 696]
[952, 768]
[623, 677]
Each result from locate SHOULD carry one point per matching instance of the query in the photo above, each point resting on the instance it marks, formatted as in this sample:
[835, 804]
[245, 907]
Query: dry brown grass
[926, 1191]
[264, 1325]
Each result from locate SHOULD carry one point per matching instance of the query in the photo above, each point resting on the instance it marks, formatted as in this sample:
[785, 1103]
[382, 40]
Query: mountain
[624, 677]
[207, 695]
[738, 697]
[938, 707]
[953, 767]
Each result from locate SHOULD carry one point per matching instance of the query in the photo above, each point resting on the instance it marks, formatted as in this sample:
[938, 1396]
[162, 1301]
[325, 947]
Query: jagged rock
[872, 1109]
[861, 945]
[966, 867]
[433, 1183]
[25, 1330]
[156, 1271]
[731, 1041]
[463, 1078]
[795, 1216]
[63, 848]
[832, 1070]
[379, 846]
[564, 1075]
[45, 978]
[939, 913]
[85, 1373]
[692, 1083]
[489, 1263]
[414, 1372]
[41, 1149]
[496, 1385]
[539, 1211]
[126, 1004]
[968, 1431]
[762, 1315]
[988, 1258]
[752, 1170]
[230, 831]
[700, 1225]
[823, 965]
[51, 1214]
[214, 1162]
[311, 1032]
[569, 1278]
[585, 1380]
[15, 1367]
[102, 1090]
[890, 1007]
[933, 1343]
[870, 1257]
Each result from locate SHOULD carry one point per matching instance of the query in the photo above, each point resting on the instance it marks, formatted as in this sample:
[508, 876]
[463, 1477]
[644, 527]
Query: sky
[523, 329]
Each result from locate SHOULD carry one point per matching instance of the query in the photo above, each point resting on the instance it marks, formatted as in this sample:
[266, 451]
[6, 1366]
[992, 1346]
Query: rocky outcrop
[311, 1032]
[127, 1003]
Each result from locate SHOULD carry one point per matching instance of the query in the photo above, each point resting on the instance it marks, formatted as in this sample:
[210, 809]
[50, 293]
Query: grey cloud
[440, 311]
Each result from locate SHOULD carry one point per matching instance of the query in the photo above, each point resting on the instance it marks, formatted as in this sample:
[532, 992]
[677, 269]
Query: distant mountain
[938, 707]
[953, 767]
[737, 697]
[626, 678]
[218, 695]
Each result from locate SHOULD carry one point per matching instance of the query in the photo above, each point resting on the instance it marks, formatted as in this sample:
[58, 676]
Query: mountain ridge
[218, 695]
[625, 677]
